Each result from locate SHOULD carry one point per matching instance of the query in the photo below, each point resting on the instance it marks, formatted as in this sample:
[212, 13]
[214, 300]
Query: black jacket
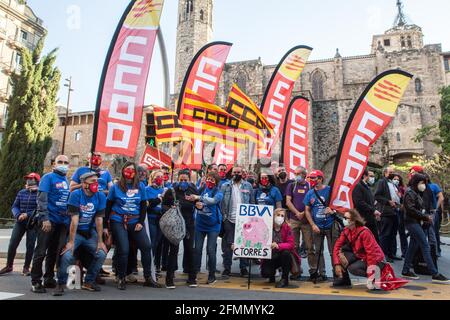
[383, 196]
[364, 201]
[414, 206]
[186, 207]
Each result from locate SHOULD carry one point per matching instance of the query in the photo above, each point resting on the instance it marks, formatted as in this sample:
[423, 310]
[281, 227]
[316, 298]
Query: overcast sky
[82, 30]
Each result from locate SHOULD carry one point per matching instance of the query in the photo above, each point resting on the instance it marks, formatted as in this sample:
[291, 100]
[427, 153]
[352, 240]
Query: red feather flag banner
[202, 78]
[279, 91]
[120, 102]
[155, 159]
[294, 147]
[374, 111]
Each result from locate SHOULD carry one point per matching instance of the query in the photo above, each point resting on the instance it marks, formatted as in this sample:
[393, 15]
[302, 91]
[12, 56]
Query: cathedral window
[399, 137]
[447, 64]
[409, 42]
[419, 87]
[202, 15]
[317, 86]
[402, 39]
[387, 42]
[189, 7]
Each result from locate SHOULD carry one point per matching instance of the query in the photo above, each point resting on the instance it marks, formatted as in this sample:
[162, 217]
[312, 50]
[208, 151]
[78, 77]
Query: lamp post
[69, 85]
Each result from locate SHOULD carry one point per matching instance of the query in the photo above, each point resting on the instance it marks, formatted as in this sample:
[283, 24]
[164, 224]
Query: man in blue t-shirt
[437, 202]
[105, 180]
[52, 198]
[87, 208]
[321, 218]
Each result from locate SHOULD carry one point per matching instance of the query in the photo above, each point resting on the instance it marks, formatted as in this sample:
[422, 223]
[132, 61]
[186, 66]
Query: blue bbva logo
[253, 211]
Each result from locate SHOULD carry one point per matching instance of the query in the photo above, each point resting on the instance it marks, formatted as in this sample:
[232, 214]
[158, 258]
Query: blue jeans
[156, 237]
[211, 249]
[418, 239]
[68, 259]
[120, 235]
[18, 232]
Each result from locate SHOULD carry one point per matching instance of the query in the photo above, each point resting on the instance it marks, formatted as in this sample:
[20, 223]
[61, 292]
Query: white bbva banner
[253, 235]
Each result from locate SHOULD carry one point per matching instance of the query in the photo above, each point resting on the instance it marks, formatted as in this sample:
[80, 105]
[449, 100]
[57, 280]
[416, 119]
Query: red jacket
[288, 242]
[365, 247]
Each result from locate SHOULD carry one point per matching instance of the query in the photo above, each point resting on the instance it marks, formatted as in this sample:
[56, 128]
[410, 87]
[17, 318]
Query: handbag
[172, 224]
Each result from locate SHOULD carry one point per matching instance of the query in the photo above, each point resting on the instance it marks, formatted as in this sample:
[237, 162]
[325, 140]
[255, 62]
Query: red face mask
[93, 187]
[96, 160]
[222, 174]
[129, 173]
[158, 181]
[166, 177]
[313, 183]
[210, 185]
[264, 181]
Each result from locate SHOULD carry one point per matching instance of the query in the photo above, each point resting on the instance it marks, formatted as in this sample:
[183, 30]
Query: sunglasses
[62, 162]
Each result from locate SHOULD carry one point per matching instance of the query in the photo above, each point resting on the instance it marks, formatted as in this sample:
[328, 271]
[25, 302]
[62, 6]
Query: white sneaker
[131, 279]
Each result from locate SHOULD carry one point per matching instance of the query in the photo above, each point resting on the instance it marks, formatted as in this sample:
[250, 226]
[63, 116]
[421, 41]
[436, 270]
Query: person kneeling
[283, 245]
[355, 251]
[87, 208]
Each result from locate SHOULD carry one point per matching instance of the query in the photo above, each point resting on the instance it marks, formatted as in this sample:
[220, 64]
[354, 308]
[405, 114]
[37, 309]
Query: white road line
[9, 295]
[4, 238]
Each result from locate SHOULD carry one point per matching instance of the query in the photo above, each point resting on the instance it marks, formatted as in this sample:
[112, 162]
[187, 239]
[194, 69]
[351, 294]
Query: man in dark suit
[364, 202]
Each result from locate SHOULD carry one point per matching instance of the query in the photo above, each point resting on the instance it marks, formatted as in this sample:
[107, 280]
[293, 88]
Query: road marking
[8, 295]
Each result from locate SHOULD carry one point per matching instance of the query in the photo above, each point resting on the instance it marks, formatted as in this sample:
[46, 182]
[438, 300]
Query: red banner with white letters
[279, 91]
[294, 148]
[155, 159]
[122, 87]
[371, 116]
[202, 78]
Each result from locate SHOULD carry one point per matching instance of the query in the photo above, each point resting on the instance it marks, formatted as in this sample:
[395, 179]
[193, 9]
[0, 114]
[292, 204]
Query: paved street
[16, 286]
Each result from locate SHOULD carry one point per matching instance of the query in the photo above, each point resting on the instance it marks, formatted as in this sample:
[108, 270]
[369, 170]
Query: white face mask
[372, 181]
[279, 221]
[396, 182]
[421, 187]
[346, 222]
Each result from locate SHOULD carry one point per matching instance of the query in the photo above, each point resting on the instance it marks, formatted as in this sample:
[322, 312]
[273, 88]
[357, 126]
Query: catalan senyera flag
[168, 126]
[371, 116]
[243, 108]
[205, 121]
[279, 91]
[119, 108]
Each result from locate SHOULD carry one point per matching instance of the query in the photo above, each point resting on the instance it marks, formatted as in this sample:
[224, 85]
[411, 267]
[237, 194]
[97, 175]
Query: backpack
[172, 224]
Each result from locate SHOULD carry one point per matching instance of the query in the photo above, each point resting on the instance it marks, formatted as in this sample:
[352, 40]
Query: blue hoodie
[209, 219]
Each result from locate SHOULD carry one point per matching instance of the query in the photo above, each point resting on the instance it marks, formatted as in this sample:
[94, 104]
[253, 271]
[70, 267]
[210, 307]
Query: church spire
[400, 20]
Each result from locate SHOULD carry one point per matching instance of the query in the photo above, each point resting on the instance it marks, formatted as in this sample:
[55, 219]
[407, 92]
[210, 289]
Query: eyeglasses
[62, 162]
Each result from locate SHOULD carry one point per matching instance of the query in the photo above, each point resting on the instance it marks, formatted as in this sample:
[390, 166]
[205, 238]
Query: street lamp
[69, 85]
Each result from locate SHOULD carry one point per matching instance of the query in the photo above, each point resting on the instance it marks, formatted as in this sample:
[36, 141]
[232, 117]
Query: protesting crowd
[77, 221]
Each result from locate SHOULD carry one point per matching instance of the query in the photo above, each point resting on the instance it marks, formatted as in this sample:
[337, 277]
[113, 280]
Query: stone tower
[193, 32]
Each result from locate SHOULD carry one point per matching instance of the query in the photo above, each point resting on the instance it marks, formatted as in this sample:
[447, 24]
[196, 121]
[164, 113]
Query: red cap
[316, 173]
[418, 169]
[33, 176]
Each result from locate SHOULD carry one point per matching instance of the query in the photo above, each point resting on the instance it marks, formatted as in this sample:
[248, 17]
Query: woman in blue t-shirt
[207, 223]
[267, 193]
[126, 210]
[154, 194]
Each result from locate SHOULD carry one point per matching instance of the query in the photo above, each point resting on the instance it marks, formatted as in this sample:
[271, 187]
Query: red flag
[372, 114]
[278, 93]
[202, 77]
[155, 159]
[294, 148]
[121, 95]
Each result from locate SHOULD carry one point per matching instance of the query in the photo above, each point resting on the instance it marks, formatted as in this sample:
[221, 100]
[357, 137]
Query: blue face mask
[62, 168]
[299, 179]
[184, 185]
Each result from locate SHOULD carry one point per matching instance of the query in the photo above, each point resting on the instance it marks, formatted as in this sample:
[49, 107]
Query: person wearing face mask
[166, 177]
[95, 161]
[282, 247]
[282, 183]
[143, 174]
[126, 212]
[322, 221]
[388, 203]
[53, 194]
[356, 251]
[235, 192]
[184, 190]
[223, 170]
[364, 202]
[201, 184]
[267, 193]
[295, 195]
[208, 222]
[22, 209]
[415, 217]
[437, 203]
[400, 227]
[87, 209]
[154, 194]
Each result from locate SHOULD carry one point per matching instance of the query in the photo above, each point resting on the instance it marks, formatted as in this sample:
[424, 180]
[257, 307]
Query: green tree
[30, 124]
[444, 123]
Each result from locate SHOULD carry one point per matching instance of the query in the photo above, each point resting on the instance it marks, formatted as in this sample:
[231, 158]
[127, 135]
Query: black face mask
[282, 175]
[237, 177]
[251, 181]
